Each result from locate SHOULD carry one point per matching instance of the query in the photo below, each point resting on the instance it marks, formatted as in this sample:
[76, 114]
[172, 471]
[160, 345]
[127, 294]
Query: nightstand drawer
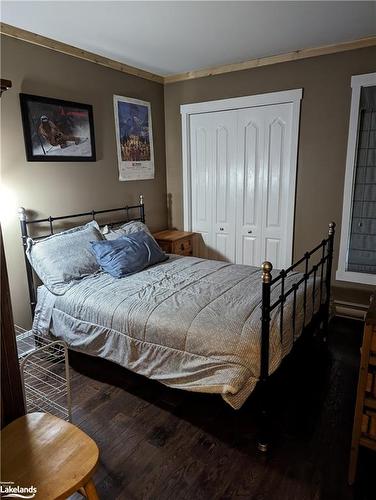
[165, 245]
[182, 247]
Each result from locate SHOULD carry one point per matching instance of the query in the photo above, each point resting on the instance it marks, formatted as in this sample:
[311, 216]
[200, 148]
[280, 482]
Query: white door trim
[357, 82]
[288, 96]
[249, 101]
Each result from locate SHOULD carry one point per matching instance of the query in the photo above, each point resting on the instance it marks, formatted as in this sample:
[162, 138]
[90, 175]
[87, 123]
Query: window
[357, 259]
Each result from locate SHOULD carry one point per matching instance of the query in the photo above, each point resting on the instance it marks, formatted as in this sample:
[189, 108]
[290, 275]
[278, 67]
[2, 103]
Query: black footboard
[322, 269]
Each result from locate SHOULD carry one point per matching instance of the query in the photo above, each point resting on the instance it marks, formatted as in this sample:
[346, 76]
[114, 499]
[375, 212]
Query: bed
[190, 323]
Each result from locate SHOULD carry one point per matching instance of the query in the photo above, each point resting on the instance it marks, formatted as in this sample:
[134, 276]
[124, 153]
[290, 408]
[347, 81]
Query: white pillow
[63, 258]
[127, 228]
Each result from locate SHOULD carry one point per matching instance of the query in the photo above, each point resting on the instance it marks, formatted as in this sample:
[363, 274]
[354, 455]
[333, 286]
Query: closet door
[279, 186]
[243, 184]
[201, 179]
[265, 192]
[250, 186]
[213, 176]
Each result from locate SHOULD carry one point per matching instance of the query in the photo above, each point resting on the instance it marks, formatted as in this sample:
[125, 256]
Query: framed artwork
[56, 130]
[134, 139]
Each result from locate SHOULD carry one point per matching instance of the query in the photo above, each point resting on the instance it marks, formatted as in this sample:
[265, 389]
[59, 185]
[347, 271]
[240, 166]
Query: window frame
[357, 82]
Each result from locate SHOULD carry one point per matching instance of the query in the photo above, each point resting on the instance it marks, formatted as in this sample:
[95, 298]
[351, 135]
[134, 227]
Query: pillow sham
[128, 228]
[63, 258]
[127, 255]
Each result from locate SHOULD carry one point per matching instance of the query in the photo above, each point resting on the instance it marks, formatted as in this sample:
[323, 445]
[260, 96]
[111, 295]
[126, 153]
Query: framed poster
[134, 139]
[56, 130]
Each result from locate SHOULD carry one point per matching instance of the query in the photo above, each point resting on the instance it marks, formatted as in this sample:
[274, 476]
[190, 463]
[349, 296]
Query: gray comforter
[189, 323]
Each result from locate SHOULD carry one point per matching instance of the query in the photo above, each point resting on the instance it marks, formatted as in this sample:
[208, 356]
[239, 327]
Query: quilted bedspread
[189, 323]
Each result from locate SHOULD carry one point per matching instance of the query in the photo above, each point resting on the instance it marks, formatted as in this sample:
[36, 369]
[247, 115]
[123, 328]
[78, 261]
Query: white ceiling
[172, 37]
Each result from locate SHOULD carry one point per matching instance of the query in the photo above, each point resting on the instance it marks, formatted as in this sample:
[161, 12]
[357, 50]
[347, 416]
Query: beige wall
[55, 188]
[58, 188]
[322, 142]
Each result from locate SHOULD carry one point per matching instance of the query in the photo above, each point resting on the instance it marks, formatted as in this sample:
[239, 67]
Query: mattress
[189, 323]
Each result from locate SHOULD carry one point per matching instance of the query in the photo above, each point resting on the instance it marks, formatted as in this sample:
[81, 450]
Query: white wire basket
[45, 374]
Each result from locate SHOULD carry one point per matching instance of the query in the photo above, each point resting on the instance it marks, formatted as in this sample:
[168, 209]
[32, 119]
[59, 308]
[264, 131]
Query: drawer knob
[221, 229]
[250, 231]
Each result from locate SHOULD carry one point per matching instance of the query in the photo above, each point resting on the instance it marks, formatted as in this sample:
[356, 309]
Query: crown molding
[64, 48]
[267, 61]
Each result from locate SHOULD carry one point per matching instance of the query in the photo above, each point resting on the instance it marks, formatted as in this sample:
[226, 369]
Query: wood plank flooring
[158, 443]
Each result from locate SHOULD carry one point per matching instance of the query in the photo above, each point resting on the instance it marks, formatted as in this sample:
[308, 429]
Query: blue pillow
[128, 254]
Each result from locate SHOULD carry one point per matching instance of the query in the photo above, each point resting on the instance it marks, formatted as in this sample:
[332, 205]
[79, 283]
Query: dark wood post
[264, 430]
[12, 401]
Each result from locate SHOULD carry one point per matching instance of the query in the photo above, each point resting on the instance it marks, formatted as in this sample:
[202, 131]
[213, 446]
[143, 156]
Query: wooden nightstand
[178, 242]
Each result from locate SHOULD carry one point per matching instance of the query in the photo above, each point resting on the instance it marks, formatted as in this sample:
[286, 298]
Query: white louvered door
[242, 187]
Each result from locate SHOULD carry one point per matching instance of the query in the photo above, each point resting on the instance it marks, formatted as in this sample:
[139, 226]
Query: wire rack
[45, 374]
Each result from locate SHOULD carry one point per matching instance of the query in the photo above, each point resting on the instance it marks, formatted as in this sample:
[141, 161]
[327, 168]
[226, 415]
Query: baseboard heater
[351, 310]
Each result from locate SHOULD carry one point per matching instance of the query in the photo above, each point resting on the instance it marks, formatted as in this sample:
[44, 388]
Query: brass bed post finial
[141, 199]
[266, 270]
[22, 214]
[332, 226]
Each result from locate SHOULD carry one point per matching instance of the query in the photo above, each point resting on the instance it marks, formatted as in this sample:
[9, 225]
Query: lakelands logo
[8, 490]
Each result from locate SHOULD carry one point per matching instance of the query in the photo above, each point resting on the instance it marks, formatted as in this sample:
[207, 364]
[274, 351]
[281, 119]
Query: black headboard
[138, 210]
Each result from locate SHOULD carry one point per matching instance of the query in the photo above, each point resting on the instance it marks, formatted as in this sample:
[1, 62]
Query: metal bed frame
[322, 268]
[24, 222]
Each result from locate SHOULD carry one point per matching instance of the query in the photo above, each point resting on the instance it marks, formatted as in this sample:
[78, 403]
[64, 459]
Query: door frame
[283, 97]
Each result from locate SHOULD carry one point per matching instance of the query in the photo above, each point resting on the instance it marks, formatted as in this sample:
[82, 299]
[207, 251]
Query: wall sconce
[4, 85]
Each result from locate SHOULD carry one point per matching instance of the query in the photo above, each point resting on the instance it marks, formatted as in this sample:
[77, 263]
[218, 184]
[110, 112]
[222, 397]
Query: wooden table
[51, 454]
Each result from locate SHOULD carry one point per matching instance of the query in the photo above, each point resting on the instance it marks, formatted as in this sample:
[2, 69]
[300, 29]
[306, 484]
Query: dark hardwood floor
[158, 443]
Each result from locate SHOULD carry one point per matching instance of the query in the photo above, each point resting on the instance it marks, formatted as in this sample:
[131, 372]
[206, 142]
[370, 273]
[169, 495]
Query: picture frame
[134, 138]
[57, 130]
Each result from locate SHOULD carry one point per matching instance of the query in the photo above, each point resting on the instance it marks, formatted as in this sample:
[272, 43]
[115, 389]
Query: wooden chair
[364, 428]
[51, 454]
